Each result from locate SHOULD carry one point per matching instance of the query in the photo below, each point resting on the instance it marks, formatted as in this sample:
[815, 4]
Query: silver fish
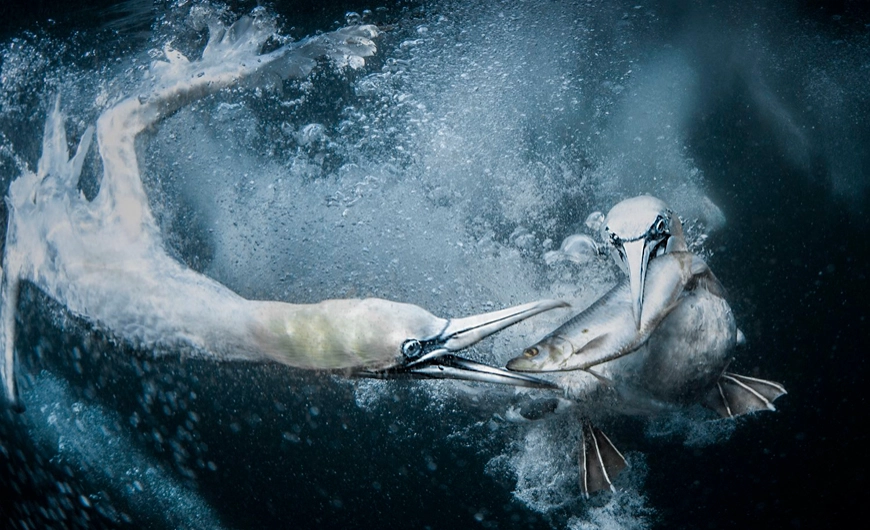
[606, 330]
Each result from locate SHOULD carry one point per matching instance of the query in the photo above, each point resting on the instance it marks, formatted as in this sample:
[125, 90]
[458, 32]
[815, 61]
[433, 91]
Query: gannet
[105, 260]
[669, 314]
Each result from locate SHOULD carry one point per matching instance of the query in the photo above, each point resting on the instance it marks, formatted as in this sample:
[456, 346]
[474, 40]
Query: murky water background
[479, 137]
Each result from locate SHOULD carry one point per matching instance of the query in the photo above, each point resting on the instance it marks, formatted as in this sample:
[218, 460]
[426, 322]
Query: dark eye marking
[615, 240]
[412, 348]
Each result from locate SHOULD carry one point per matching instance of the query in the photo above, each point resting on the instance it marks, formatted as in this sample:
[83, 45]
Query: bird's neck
[330, 335]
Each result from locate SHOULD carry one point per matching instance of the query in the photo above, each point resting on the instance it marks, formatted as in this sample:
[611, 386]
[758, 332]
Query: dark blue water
[786, 160]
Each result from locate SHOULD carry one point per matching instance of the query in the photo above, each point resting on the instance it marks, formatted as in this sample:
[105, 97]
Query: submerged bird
[105, 261]
[665, 334]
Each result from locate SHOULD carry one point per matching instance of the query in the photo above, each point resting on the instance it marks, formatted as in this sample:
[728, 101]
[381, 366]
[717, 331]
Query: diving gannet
[670, 314]
[105, 260]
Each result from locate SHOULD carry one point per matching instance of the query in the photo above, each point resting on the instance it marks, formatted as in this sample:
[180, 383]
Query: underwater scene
[434, 264]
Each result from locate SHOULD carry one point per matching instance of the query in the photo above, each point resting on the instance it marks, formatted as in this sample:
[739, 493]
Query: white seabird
[105, 260]
[665, 333]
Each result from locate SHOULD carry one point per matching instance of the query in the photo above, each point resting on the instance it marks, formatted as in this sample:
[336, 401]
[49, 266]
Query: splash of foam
[543, 463]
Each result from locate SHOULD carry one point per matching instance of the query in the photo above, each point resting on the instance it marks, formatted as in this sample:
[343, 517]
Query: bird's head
[637, 230]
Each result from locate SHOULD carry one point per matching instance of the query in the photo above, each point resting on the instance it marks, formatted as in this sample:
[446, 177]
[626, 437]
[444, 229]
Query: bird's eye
[660, 226]
[412, 348]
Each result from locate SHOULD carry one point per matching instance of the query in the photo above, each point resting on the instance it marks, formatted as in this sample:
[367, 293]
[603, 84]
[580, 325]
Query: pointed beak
[636, 259]
[461, 333]
[439, 361]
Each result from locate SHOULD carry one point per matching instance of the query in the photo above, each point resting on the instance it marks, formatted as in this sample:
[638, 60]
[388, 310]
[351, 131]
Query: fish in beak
[434, 357]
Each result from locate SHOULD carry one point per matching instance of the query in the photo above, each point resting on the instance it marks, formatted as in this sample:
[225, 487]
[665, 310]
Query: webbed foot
[734, 395]
[600, 460]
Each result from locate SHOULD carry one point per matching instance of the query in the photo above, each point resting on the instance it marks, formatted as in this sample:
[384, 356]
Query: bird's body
[690, 349]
